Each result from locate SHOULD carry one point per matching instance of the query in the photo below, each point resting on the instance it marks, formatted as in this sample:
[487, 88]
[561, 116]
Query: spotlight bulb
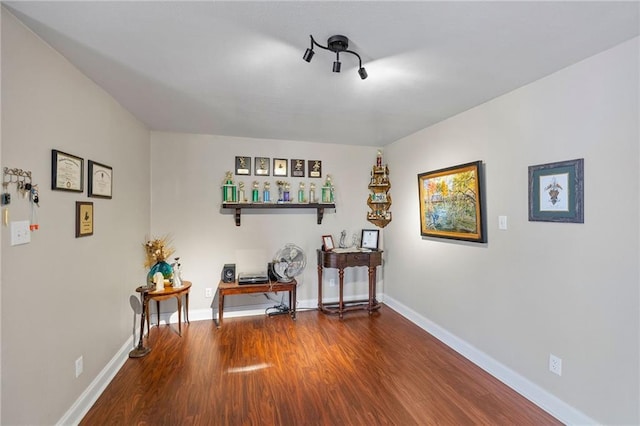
[363, 73]
[336, 66]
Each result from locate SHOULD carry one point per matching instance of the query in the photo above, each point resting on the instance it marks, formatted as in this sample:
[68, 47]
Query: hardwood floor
[318, 370]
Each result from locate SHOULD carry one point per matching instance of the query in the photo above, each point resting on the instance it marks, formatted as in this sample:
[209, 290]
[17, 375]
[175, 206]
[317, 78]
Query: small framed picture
[315, 168]
[243, 165]
[67, 172]
[280, 167]
[261, 166]
[327, 243]
[556, 192]
[100, 180]
[297, 168]
[370, 239]
[84, 219]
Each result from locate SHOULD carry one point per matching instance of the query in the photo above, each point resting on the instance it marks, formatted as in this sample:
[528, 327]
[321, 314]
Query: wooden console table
[168, 293]
[227, 289]
[329, 259]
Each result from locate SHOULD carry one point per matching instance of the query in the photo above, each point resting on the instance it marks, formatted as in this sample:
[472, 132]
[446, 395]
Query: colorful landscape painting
[450, 203]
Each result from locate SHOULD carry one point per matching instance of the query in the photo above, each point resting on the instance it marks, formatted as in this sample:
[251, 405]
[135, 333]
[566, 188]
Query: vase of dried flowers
[157, 251]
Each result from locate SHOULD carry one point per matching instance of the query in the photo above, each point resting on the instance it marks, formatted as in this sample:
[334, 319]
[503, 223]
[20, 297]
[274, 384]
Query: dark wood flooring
[319, 370]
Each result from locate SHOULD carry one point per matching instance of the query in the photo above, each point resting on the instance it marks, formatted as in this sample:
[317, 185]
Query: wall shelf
[379, 200]
[239, 206]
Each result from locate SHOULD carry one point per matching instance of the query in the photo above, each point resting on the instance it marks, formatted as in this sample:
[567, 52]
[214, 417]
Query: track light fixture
[338, 44]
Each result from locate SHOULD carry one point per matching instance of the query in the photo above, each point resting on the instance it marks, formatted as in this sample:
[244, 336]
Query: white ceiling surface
[235, 68]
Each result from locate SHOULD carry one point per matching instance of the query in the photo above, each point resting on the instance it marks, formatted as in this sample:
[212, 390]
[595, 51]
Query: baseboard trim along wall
[545, 400]
[74, 415]
[534, 393]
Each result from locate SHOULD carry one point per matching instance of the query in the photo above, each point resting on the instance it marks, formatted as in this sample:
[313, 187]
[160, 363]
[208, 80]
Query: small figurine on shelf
[379, 159]
[312, 192]
[255, 192]
[301, 193]
[266, 194]
[228, 189]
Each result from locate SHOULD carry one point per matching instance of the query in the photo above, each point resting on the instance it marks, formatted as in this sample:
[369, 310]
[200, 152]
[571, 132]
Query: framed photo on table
[327, 243]
[370, 238]
[67, 172]
[100, 180]
[556, 192]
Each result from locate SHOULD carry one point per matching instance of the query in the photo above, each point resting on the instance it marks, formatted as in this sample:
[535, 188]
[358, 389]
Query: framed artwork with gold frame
[84, 219]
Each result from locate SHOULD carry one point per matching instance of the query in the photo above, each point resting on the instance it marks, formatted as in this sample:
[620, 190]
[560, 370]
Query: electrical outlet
[332, 282]
[208, 292]
[79, 367]
[555, 364]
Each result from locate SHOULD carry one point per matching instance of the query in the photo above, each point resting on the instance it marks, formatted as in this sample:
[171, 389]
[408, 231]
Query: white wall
[537, 288]
[187, 174]
[64, 297]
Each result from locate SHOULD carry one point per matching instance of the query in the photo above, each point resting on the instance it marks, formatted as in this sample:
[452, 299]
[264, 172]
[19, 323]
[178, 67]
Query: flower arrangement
[157, 250]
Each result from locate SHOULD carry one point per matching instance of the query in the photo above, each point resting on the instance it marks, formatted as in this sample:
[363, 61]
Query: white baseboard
[534, 393]
[74, 415]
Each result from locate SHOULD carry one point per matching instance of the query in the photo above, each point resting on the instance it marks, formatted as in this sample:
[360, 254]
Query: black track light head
[308, 55]
[363, 73]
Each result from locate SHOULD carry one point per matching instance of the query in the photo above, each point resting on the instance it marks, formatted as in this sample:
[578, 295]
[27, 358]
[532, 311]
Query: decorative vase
[164, 268]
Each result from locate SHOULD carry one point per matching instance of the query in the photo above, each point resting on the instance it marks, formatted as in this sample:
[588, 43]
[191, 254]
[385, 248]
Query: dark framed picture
[67, 172]
[100, 180]
[315, 168]
[243, 165]
[327, 243]
[84, 219]
[451, 203]
[370, 239]
[261, 166]
[280, 167]
[297, 168]
[556, 192]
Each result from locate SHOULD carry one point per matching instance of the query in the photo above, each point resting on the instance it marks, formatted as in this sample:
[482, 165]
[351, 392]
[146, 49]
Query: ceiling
[235, 68]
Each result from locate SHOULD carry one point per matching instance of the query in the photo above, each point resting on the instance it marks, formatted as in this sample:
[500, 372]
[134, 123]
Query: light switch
[20, 233]
[502, 222]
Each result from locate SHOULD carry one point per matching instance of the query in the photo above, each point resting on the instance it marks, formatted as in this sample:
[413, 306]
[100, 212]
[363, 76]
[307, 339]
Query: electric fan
[289, 262]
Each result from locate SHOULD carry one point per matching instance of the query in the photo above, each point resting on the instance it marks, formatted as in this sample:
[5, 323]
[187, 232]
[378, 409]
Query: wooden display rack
[379, 200]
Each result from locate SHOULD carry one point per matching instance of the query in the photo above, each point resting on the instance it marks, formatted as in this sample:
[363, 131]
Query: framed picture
[369, 239]
[243, 165]
[280, 167]
[327, 243]
[261, 166]
[451, 203]
[84, 219]
[297, 168]
[315, 168]
[556, 192]
[100, 180]
[67, 172]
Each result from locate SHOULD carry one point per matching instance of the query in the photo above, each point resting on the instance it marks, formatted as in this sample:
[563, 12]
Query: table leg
[140, 350]
[186, 309]
[158, 311]
[341, 301]
[220, 307]
[320, 307]
[372, 281]
[179, 314]
[292, 301]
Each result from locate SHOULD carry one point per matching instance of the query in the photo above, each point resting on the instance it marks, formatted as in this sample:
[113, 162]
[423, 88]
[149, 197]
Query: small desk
[168, 293]
[225, 289]
[329, 259]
